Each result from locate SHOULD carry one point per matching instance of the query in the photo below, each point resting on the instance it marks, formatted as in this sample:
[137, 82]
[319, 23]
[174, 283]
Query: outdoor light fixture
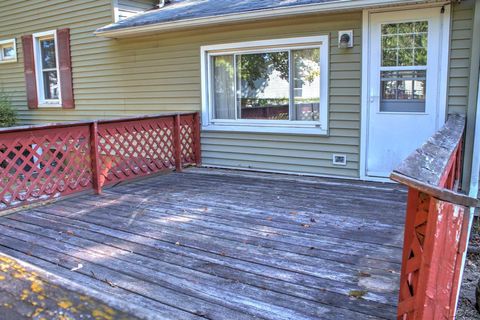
[345, 39]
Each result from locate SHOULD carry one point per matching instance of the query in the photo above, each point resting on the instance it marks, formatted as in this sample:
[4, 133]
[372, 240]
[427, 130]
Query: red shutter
[29, 67]
[65, 67]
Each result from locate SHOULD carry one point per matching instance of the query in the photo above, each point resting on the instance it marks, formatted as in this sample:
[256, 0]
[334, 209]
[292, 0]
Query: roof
[180, 13]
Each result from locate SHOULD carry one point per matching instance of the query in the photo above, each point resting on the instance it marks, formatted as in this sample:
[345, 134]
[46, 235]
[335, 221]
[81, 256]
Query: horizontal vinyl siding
[460, 54]
[18, 18]
[300, 153]
[137, 5]
[161, 73]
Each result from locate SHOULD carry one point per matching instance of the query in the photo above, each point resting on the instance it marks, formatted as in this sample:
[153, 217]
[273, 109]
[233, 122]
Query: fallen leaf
[364, 274]
[357, 294]
[269, 218]
[305, 225]
[70, 232]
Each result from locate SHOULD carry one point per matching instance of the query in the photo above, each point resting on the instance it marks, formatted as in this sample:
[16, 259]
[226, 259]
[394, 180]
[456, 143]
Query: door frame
[443, 74]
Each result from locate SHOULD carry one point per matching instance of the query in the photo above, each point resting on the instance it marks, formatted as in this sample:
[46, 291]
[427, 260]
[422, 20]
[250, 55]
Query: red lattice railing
[436, 226]
[50, 161]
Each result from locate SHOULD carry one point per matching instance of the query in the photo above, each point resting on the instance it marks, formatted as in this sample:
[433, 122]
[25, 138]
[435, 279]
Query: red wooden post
[198, 149]
[177, 145]
[95, 157]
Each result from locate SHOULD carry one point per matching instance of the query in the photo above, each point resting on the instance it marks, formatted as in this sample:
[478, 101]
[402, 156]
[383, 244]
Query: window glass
[269, 84]
[8, 52]
[403, 91]
[48, 69]
[306, 76]
[224, 87]
[263, 85]
[50, 85]
[47, 48]
[404, 44]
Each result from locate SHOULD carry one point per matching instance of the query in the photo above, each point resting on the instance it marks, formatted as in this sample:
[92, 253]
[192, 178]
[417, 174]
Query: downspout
[475, 175]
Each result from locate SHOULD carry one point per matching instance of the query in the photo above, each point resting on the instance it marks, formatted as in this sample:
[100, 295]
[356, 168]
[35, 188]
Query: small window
[8, 51]
[403, 73]
[46, 64]
[276, 84]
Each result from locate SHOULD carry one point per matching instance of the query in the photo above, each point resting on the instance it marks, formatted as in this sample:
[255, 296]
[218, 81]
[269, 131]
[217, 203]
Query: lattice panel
[131, 149]
[414, 245]
[187, 139]
[44, 164]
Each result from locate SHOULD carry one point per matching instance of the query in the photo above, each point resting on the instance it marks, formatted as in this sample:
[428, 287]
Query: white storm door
[403, 85]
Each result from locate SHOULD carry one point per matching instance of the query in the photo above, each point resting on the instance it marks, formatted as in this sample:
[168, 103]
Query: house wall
[137, 5]
[460, 54]
[161, 73]
[126, 7]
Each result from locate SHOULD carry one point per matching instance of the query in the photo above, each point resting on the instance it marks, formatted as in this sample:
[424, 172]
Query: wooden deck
[224, 245]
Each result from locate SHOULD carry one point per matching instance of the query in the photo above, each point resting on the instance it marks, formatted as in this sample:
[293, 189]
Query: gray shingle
[178, 10]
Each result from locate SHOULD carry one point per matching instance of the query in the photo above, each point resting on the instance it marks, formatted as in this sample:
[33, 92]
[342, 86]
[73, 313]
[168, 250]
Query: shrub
[8, 116]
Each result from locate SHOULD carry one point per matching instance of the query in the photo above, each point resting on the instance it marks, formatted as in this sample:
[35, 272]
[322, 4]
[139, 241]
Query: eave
[340, 5]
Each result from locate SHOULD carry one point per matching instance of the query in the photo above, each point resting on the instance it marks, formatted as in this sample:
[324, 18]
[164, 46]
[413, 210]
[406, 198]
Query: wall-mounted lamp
[345, 39]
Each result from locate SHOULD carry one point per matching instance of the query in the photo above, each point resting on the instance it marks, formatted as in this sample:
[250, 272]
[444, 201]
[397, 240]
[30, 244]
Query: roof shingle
[179, 10]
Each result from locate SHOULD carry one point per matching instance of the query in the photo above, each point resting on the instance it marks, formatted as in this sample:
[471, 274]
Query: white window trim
[42, 102]
[8, 42]
[269, 126]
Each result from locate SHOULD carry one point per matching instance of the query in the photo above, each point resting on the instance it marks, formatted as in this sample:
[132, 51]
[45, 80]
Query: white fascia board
[254, 15]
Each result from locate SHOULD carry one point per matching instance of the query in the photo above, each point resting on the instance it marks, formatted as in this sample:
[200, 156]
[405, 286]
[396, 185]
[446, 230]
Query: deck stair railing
[436, 226]
[49, 161]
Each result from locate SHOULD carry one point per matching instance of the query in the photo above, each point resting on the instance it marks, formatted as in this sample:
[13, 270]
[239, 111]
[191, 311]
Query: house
[327, 87]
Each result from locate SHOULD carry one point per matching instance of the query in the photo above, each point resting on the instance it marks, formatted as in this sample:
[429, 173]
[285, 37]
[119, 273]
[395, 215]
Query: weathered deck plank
[226, 246]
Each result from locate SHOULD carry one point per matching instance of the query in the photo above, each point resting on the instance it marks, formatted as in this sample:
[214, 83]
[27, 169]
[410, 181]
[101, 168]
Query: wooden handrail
[436, 225]
[427, 167]
[88, 122]
[443, 194]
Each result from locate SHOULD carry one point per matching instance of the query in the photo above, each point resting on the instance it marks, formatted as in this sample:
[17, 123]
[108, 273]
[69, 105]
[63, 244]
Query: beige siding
[17, 19]
[128, 7]
[460, 51]
[160, 73]
[137, 5]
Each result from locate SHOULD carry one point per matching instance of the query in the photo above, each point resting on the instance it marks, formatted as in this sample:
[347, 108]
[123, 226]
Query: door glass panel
[403, 45]
[403, 91]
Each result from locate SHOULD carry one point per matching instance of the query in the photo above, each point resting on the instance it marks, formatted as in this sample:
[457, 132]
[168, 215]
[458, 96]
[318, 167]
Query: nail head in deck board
[133, 230]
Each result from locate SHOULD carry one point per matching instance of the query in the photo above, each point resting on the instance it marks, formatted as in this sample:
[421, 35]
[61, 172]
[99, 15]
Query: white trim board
[365, 92]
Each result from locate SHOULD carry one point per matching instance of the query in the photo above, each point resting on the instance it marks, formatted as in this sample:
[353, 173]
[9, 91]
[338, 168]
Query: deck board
[226, 245]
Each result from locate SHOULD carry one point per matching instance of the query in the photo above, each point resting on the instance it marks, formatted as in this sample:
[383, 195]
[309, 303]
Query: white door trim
[365, 92]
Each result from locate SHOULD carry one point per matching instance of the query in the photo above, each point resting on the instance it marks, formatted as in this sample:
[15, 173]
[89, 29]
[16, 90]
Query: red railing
[436, 225]
[49, 161]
